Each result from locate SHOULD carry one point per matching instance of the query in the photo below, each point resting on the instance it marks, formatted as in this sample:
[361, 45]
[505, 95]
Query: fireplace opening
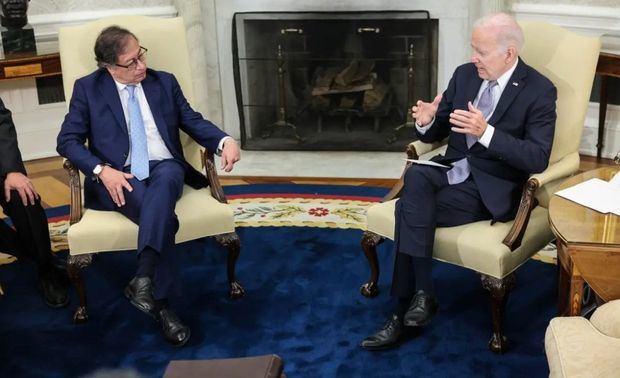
[332, 81]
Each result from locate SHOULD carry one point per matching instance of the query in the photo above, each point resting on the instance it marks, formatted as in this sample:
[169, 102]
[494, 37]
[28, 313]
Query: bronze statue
[13, 13]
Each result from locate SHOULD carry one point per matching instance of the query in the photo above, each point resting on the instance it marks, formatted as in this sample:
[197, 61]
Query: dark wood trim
[47, 65]
[75, 186]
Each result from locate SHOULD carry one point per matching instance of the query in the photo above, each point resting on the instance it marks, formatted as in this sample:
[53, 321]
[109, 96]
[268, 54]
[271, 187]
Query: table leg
[601, 116]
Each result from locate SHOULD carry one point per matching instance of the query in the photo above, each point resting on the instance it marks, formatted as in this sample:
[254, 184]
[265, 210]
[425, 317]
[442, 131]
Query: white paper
[596, 194]
[428, 162]
[615, 181]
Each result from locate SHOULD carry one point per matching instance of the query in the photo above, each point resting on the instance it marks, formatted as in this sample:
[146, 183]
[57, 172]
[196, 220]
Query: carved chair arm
[528, 202]
[214, 181]
[75, 186]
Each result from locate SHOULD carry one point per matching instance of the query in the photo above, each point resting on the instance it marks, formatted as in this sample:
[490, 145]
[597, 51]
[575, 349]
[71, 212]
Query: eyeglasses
[134, 62]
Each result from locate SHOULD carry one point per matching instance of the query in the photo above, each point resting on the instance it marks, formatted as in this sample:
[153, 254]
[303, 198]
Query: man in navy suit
[131, 117]
[29, 238]
[499, 117]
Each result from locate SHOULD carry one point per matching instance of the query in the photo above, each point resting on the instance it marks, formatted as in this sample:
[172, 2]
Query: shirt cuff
[220, 145]
[422, 129]
[485, 139]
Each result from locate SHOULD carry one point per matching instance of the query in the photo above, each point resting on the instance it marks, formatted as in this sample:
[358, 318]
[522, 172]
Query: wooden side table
[30, 65]
[588, 247]
[608, 66]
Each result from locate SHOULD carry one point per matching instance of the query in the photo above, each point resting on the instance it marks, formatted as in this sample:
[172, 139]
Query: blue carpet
[302, 303]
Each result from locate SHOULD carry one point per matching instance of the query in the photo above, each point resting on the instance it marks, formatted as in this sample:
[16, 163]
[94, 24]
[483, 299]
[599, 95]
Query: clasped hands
[469, 121]
[115, 180]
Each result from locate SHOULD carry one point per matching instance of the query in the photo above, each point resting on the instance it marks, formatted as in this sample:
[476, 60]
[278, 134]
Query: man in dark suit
[30, 238]
[131, 117]
[499, 117]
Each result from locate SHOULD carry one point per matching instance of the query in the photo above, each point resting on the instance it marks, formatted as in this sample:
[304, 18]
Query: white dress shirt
[155, 144]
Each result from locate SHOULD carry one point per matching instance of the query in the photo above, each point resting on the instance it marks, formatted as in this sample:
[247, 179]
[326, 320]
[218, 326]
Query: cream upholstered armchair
[201, 213]
[576, 347]
[496, 251]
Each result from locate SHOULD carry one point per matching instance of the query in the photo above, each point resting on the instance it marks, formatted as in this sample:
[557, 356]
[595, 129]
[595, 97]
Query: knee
[415, 177]
[16, 200]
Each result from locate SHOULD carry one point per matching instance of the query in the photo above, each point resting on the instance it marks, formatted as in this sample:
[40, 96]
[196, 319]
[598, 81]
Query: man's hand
[23, 185]
[114, 181]
[468, 122]
[424, 112]
[230, 154]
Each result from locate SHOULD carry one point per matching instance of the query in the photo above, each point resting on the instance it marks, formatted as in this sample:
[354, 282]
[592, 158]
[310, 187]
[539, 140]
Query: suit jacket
[11, 160]
[96, 116]
[524, 121]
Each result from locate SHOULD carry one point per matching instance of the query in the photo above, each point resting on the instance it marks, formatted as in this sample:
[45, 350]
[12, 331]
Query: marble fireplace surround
[453, 49]
[453, 44]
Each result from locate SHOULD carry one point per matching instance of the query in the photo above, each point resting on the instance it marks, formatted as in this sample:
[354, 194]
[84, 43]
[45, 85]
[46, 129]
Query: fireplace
[332, 80]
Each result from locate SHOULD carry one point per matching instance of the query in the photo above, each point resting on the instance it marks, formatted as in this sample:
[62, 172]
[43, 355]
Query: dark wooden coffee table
[588, 247]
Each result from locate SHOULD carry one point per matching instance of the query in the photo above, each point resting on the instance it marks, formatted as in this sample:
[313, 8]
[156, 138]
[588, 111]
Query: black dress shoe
[387, 337]
[53, 285]
[139, 291]
[175, 332]
[422, 308]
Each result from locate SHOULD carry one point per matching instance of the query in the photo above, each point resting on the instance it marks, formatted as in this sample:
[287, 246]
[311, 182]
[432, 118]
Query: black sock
[402, 305]
[161, 304]
[422, 267]
[147, 261]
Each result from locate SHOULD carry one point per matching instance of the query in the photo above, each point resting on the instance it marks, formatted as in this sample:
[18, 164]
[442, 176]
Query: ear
[511, 54]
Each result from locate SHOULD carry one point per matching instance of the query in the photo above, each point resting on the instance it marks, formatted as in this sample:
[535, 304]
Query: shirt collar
[502, 81]
[120, 86]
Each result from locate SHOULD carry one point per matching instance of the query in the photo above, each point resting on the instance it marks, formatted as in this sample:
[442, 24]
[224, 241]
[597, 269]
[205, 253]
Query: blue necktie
[460, 169]
[139, 149]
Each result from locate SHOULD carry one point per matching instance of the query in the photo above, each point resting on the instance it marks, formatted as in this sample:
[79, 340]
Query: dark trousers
[30, 239]
[151, 205]
[427, 202]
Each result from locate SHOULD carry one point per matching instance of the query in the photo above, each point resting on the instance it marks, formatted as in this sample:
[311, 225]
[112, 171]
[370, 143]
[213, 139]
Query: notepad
[596, 194]
[428, 162]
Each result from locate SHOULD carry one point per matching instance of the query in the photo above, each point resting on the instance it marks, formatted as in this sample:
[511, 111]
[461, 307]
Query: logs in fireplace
[332, 81]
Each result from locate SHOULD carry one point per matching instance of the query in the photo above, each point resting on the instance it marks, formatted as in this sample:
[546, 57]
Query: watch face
[98, 168]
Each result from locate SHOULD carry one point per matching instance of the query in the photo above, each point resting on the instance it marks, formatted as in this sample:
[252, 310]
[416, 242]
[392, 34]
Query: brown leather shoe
[139, 291]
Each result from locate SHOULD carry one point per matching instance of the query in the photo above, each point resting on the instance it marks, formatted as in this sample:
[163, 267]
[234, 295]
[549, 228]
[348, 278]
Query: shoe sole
[382, 347]
[135, 304]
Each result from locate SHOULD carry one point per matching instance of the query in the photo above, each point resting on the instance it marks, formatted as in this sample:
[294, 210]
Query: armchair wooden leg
[370, 241]
[233, 244]
[75, 264]
[499, 290]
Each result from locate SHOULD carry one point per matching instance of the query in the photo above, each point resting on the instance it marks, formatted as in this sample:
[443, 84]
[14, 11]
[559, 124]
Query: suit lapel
[109, 91]
[513, 87]
[152, 92]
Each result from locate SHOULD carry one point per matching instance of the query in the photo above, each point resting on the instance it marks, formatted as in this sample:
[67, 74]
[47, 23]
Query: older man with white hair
[499, 116]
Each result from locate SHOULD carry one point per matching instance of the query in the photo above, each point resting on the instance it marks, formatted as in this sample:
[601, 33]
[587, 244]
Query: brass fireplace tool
[281, 106]
[410, 122]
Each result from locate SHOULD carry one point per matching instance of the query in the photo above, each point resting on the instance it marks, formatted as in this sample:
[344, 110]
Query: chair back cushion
[164, 37]
[569, 61]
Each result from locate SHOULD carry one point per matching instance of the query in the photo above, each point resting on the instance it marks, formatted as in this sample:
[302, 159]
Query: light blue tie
[460, 169]
[139, 149]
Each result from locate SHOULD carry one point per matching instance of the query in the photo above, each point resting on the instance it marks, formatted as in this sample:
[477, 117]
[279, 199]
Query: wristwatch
[97, 170]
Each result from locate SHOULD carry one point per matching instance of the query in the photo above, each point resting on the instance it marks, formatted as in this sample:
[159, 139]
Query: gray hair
[110, 44]
[509, 32]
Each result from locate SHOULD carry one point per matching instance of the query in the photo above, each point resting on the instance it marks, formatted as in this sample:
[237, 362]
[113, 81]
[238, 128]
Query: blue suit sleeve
[71, 141]
[194, 124]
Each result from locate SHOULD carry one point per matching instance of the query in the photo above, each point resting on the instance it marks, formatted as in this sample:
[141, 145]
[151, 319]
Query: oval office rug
[302, 302]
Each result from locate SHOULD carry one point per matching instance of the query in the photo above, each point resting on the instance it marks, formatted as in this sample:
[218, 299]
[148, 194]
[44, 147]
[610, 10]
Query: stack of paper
[596, 194]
